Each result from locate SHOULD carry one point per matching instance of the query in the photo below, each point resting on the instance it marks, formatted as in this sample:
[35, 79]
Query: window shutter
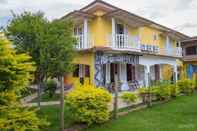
[87, 71]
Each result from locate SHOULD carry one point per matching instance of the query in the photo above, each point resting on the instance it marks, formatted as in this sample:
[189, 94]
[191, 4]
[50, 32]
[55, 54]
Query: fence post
[115, 104]
[149, 104]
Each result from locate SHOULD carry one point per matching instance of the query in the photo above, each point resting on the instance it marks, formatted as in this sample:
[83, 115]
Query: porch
[133, 71]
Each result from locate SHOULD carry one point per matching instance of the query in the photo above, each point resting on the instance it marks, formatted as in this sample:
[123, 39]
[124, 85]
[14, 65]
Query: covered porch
[133, 71]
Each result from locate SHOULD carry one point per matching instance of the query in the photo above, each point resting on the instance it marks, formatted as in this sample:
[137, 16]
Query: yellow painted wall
[167, 72]
[133, 31]
[146, 35]
[85, 59]
[100, 28]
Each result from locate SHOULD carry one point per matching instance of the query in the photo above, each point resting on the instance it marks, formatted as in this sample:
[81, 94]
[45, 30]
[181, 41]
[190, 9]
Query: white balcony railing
[122, 41]
[154, 49]
[82, 44]
[177, 51]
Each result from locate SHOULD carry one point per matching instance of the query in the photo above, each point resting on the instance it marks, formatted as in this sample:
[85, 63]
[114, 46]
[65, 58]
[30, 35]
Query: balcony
[176, 52]
[154, 49]
[83, 43]
[124, 42]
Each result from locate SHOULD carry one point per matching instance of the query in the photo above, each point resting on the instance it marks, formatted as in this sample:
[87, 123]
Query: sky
[180, 15]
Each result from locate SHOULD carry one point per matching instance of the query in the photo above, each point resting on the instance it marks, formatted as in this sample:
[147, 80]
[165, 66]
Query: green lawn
[52, 113]
[177, 115]
[45, 97]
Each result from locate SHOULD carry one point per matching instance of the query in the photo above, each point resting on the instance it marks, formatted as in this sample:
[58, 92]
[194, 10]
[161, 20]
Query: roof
[191, 39]
[114, 10]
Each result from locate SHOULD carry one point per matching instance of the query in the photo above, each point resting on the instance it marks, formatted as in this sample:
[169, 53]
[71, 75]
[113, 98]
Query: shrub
[186, 86]
[162, 92]
[89, 104]
[129, 97]
[51, 87]
[174, 90]
[144, 93]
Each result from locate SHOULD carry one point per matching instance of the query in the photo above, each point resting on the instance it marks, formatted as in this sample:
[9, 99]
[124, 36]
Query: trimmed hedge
[89, 104]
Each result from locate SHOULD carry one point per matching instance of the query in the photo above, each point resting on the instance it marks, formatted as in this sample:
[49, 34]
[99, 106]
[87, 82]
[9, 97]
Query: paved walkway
[42, 103]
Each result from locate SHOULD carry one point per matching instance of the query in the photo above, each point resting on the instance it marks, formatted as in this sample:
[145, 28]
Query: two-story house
[114, 41]
[190, 56]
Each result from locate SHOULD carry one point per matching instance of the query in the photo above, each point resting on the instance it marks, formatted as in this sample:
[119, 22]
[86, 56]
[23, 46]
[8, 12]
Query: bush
[51, 87]
[162, 92]
[89, 104]
[186, 86]
[144, 93]
[129, 97]
[174, 90]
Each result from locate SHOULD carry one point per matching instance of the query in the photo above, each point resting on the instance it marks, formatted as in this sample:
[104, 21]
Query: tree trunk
[149, 103]
[62, 103]
[39, 93]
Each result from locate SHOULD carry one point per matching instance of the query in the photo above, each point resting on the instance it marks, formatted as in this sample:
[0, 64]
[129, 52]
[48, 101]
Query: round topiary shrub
[89, 104]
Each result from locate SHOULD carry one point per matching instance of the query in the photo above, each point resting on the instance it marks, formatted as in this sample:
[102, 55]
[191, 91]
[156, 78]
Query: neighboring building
[113, 41]
[190, 56]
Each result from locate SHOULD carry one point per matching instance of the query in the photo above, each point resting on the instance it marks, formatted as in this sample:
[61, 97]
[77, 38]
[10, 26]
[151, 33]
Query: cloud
[52, 9]
[176, 14]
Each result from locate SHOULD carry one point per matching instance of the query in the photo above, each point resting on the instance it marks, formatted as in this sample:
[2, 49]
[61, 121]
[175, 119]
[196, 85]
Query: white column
[147, 75]
[107, 73]
[175, 75]
[123, 73]
[167, 41]
[113, 31]
[80, 71]
[160, 71]
[85, 33]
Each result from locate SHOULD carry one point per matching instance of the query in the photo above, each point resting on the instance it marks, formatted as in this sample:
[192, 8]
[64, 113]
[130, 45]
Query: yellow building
[112, 41]
[189, 57]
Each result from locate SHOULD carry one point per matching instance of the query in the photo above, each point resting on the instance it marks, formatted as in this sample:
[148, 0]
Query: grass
[45, 97]
[52, 114]
[179, 114]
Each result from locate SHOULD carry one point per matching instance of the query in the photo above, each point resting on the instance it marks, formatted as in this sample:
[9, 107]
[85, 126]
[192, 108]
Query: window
[130, 72]
[120, 29]
[78, 31]
[191, 50]
[178, 44]
[87, 71]
[76, 71]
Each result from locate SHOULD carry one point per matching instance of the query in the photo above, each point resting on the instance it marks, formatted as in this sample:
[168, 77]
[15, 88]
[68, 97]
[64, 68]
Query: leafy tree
[15, 73]
[28, 32]
[61, 48]
[50, 44]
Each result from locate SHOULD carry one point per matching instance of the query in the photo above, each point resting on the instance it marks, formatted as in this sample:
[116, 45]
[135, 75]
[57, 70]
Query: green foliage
[15, 69]
[51, 86]
[186, 86]
[89, 104]
[162, 92]
[17, 118]
[174, 90]
[32, 33]
[129, 97]
[16, 72]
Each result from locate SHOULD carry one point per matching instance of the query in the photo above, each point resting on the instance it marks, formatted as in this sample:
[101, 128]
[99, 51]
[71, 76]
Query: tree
[61, 48]
[28, 32]
[51, 45]
[15, 73]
